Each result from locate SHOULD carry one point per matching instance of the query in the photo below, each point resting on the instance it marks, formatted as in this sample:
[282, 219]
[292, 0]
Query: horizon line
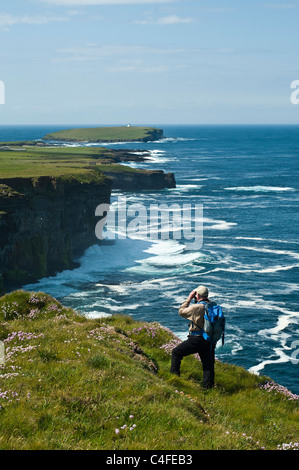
[151, 124]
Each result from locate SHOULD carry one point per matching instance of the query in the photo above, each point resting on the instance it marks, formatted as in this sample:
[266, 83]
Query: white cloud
[104, 2]
[94, 52]
[138, 69]
[220, 10]
[7, 20]
[173, 19]
[166, 20]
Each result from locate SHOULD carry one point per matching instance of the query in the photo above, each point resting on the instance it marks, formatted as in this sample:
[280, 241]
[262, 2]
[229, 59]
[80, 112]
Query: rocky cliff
[141, 180]
[44, 222]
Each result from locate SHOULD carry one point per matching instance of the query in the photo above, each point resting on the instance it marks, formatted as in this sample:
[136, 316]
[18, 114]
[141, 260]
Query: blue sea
[246, 179]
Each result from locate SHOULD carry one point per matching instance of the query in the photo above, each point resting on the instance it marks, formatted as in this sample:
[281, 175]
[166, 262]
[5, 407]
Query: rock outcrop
[141, 180]
[44, 223]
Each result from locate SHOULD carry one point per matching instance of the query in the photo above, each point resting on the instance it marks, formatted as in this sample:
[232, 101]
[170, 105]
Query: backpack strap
[201, 330]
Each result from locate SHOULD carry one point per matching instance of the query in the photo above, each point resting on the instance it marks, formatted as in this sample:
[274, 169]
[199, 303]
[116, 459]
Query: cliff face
[44, 222]
[155, 134]
[150, 179]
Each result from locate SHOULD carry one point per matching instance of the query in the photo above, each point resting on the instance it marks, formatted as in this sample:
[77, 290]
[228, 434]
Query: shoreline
[47, 216]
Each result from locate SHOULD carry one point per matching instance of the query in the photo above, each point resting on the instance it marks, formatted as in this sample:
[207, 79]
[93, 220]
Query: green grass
[47, 161]
[103, 134]
[69, 382]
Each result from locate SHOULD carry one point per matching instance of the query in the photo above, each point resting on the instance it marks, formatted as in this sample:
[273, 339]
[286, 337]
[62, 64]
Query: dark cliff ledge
[152, 180]
[139, 180]
[45, 222]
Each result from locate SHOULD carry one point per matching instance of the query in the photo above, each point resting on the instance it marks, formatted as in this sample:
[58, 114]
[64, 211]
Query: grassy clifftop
[32, 161]
[54, 192]
[107, 134]
[69, 382]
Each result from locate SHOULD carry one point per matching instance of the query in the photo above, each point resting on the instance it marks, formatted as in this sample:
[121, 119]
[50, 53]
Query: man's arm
[185, 310]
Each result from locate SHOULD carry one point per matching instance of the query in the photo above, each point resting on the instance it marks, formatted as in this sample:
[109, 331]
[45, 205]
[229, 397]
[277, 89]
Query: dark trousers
[196, 344]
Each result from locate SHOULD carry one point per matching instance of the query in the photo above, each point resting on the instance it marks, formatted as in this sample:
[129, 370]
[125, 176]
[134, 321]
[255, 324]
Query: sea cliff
[48, 198]
[141, 180]
[44, 222]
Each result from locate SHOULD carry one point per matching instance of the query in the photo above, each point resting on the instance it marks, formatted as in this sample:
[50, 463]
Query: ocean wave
[231, 346]
[260, 270]
[156, 152]
[98, 260]
[217, 224]
[158, 159]
[186, 187]
[105, 144]
[258, 249]
[200, 179]
[279, 356]
[182, 335]
[267, 240]
[141, 152]
[166, 254]
[263, 189]
[167, 140]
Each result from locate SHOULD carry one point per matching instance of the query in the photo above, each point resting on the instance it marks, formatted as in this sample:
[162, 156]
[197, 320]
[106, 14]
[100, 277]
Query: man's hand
[191, 295]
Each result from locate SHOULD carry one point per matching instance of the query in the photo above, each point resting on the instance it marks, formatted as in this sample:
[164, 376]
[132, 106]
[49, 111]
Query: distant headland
[107, 134]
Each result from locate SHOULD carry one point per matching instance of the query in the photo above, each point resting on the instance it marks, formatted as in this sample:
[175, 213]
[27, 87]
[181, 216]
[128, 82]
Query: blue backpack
[214, 323]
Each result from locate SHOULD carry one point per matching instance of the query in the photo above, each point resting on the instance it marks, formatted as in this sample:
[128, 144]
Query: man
[195, 342]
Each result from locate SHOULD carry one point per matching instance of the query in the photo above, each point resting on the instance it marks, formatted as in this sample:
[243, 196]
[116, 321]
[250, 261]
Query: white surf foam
[258, 249]
[186, 187]
[168, 254]
[266, 240]
[183, 335]
[97, 260]
[217, 224]
[156, 152]
[251, 269]
[282, 323]
[264, 189]
[158, 156]
[167, 140]
[280, 357]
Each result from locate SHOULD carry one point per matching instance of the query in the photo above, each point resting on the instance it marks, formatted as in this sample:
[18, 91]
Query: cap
[202, 291]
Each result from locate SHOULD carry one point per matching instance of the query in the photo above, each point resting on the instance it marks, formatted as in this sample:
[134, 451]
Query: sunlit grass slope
[69, 382]
[31, 161]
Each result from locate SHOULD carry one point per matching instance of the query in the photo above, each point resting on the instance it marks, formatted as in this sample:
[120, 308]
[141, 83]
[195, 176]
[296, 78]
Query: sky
[150, 62]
